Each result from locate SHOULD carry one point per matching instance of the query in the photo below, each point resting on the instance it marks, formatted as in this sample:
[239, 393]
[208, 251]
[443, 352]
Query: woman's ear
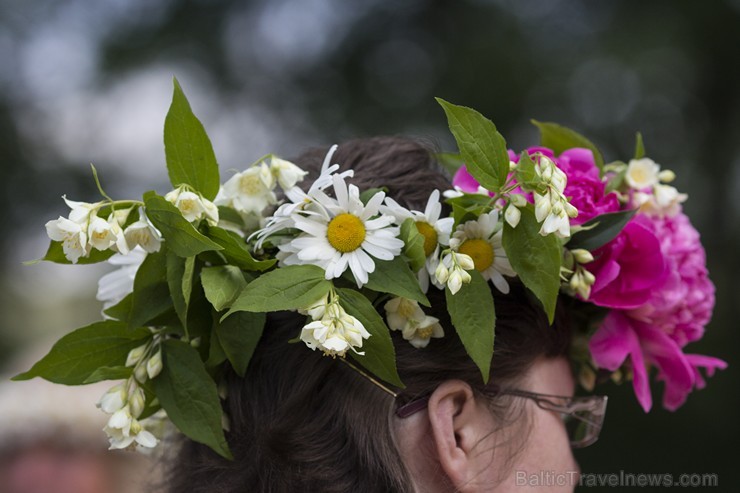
[458, 422]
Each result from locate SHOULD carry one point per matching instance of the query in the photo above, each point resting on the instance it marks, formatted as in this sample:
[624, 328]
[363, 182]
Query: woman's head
[303, 422]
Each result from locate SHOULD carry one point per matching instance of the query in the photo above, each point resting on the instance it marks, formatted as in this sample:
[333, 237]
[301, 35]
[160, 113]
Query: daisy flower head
[481, 240]
[344, 233]
[436, 232]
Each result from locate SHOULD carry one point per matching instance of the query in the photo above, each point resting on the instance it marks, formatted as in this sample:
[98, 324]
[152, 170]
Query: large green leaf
[535, 258]
[395, 277]
[188, 150]
[109, 373]
[474, 317]
[380, 355]
[560, 138]
[287, 288]
[235, 250]
[78, 355]
[238, 336]
[182, 238]
[482, 148]
[190, 396]
[151, 295]
[600, 230]
[222, 285]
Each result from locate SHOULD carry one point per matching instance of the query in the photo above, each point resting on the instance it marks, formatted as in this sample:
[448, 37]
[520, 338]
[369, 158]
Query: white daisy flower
[481, 240]
[344, 233]
[299, 200]
[436, 232]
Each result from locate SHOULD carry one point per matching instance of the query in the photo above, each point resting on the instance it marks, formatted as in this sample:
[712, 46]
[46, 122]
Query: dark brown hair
[300, 421]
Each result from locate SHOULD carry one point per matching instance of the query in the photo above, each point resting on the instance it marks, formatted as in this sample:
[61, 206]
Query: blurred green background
[90, 81]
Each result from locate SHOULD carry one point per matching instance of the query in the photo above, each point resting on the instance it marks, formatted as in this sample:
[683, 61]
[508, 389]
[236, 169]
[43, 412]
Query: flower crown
[202, 265]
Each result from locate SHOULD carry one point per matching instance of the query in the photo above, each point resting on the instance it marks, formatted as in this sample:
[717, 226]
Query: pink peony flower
[674, 313]
[621, 336]
[629, 268]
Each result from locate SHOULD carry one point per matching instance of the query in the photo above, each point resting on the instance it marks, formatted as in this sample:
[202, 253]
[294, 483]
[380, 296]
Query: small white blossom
[71, 234]
[408, 317]
[123, 430]
[135, 355]
[335, 332]
[287, 173]
[99, 233]
[193, 206]
[642, 173]
[81, 211]
[143, 234]
[452, 270]
[114, 399]
[137, 401]
[249, 191]
[512, 215]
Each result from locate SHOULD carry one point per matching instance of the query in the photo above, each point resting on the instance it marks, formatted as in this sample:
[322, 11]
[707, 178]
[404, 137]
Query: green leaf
[235, 250]
[188, 150]
[238, 336]
[180, 282]
[559, 139]
[380, 355]
[121, 310]
[474, 317]
[109, 373]
[222, 285]
[151, 295]
[230, 215]
[75, 357]
[482, 148]
[535, 258]
[181, 236]
[525, 170]
[190, 396]
[600, 230]
[450, 161]
[413, 244]
[639, 146]
[395, 277]
[55, 254]
[469, 206]
[216, 354]
[287, 288]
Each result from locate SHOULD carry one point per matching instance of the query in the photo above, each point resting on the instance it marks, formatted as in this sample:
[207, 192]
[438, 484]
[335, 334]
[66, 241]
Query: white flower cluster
[193, 206]
[253, 190]
[552, 208]
[84, 230]
[332, 329]
[651, 195]
[415, 326]
[126, 401]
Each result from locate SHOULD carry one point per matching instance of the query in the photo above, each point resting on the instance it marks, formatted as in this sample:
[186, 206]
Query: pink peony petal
[465, 181]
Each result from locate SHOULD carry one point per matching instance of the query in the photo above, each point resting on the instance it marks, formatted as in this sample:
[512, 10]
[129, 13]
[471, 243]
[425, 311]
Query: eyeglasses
[582, 416]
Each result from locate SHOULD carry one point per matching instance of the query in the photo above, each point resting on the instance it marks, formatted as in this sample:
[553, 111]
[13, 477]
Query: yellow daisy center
[425, 333]
[480, 251]
[346, 232]
[430, 237]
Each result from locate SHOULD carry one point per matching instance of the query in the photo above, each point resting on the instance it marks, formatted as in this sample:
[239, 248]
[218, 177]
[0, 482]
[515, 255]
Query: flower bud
[518, 200]
[154, 364]
[582, 256]
[588, 277]
[512, 215]
[135, 355]
[140, 373]
[455, 281]
[570, 209]
[465, 261]
[441, 273]
[195, 342]
[137, 401]
[666, 176]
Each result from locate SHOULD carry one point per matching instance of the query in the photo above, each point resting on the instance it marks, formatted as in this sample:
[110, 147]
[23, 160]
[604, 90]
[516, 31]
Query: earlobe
[455, 419]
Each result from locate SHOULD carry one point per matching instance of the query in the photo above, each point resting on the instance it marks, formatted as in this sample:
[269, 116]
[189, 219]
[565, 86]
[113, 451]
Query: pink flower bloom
[621, 336]
[674, 314]
[629, 268]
